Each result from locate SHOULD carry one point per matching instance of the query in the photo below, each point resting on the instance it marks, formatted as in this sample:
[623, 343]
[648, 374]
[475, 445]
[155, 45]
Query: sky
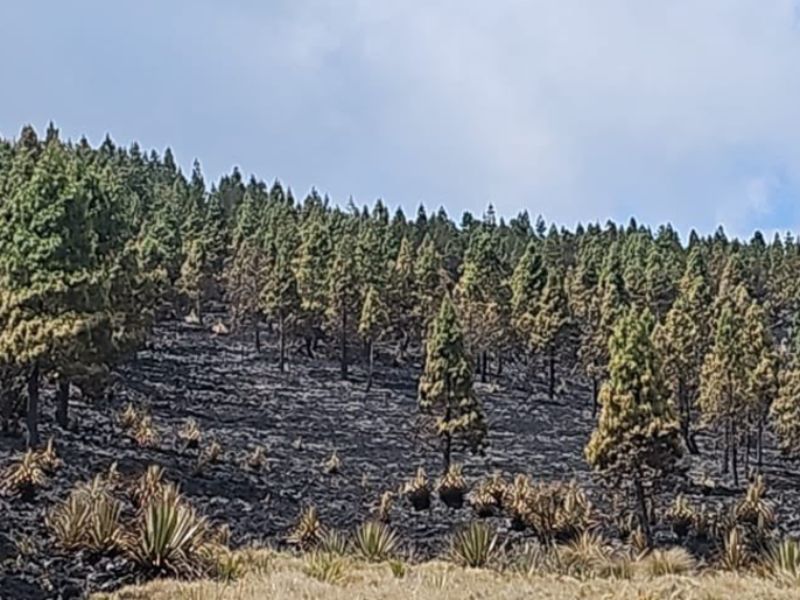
[683, 111]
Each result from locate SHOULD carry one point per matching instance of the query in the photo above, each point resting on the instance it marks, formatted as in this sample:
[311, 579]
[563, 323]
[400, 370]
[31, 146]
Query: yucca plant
[383, 511]
[257, 459]
[69, 521]
[672, 561]
[482, 502]
[681, 516]
[473, 546]
[374, 541]
[148, 486]
[24, 478]
[418, 490]
[144, 432]
[452, 486]
[104, 531]
[734, 554]
[48, 459]
[327, 568]
[753, 509]
[332, 464]
[308, 531]
[128, 417]
[516, 501]
[332, 542]
[190, 433]
[170, 536]
[584, 556]
[783, 560]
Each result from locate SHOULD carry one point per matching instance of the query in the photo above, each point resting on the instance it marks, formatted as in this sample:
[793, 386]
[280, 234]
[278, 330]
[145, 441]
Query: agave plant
[171, 536]
[308, 531]
[24, 478]
[190, 433]
[473, 546]
[374, 541]
[452, 486]
[418, 490]
[333, 542]
[148, 486]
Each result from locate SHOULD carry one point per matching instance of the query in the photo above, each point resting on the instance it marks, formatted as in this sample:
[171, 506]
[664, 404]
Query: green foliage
[474, 546]
[445, 388]
[375, 542]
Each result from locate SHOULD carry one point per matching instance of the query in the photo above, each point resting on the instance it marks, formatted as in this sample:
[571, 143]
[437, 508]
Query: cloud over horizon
[681, 111]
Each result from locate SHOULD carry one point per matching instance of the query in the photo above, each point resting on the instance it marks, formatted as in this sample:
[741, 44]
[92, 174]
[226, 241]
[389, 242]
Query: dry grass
[281, 576]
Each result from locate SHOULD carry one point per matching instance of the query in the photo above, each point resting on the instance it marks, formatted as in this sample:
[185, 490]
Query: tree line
[97, 242]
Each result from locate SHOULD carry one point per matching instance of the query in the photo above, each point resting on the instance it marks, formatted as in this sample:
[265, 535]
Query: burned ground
[239, 398]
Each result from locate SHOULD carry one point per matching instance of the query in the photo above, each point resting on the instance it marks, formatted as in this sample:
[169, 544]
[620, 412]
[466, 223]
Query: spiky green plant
[483, 502]
[681, 516]
[783, 561]
[473, 546]
[145, 433]
[584, 556]
[753, 509]
[734, 555]
[383, 511]
[170, 536]
[374, 541]
[333, 542]
[128, 417]
[452, 486]
[104, 531]
[69, 520]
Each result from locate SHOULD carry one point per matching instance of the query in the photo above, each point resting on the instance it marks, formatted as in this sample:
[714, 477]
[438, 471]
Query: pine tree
[401, 292]
[550, 321]
[637, 437]
[371, 325]
[527, 283]
[343, 295]
[244, 283]
[311, 269]
[724, 377]
[194, 282]
[445, 388]
[682, 340]
[785, 410]
[429, 283]
[279, 297]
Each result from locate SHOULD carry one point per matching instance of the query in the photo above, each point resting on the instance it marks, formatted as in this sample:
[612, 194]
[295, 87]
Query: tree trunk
[595, 403]
[726, 447]
[734, 454]
[343, 344]
[747, 444]
[499, 364]
[760, 441]
[551, 367]
[33, 407]
[198, 309]
[686, 418]
[371, 363]
[257, 332]
[642, 504]
[448, 440]
[484, 366]
[62, 403]
[282, 344]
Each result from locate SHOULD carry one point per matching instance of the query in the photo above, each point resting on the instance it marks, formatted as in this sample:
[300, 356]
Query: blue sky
[685, 111]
